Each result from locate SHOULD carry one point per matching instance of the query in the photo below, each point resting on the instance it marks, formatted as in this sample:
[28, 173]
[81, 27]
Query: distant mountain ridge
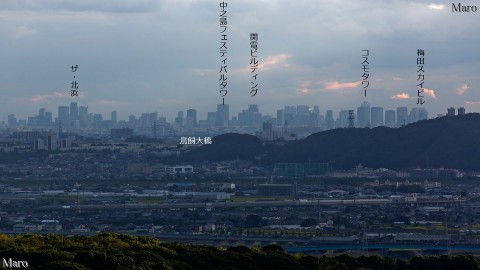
[452, 142]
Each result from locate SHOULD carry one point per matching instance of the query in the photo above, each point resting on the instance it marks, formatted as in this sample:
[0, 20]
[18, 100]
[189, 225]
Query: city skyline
[365, 115]
[162, 56]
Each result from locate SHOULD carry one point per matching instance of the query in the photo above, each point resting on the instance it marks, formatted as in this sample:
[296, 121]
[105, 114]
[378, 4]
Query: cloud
[304, 87]
[434, 6]
[321, 86]
[462, 89]
[270, 62]
[338, 85]
[472, 102]
[43, 98]
[429, 92]
[107, 102]
[24, 31]
[108, 6]
[400, 96]
[54, 96]
[397, 79]
[278, 60]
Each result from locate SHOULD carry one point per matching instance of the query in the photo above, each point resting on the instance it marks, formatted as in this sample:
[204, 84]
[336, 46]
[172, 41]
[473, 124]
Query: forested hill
[123, 252]
[452, 142]
[228, 146]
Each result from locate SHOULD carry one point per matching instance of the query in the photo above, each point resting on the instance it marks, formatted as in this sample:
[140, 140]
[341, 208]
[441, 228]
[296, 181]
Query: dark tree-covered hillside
[117, 251]
[451, 142]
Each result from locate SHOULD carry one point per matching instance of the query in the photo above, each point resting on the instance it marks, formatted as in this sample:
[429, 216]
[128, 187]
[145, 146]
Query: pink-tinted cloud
[54, 96]
[472, 102]
[304, 87]
[309, 87]
[462, 89]
[278, 60]
[397, 79]
[270, 62]
[400, 96]
[338, 85]
[429, 92]
[107, 102]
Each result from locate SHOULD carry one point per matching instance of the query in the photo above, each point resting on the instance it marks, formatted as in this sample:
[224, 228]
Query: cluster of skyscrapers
[74, 118]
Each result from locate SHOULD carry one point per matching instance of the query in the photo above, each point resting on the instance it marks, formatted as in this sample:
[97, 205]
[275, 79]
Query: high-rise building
[280, 118]
[48, 119]
[132, 121]
[402, 116]
[461, 111]
[343, 119]
[191, 120]
[51, 143]
[179, 119]
[97, 120]
[329, 119]
[376, 118]
[417, 114]
[390, 118]
[83, 117]
[422, 114]
[254, 116]
[113, 118]
[289, 114]
[147, 120]
[451, 111]
[303, 115]
[315, 117]
[41, 118]
[64, 117]
[211, 119]
[222, 115]
[73, 111]
[363, 115]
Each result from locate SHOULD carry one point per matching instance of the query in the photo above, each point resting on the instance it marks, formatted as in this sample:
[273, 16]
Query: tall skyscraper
[73, 111]
[113, 118]
[280, 119]
[222, 115]
[402, 116]
[289, 114]
[179, 119]
[52, 140]
[329, 119]
[342, 119]
[211, 119]
[41, 117]
[461, 111]
[363, 115]
[191, 120]
[390, 118]
[376, 117]
[417, 114]
[84, 117]
[254, 117]
[64, 117]
[97, 120]
[132, 121]
[48, 119]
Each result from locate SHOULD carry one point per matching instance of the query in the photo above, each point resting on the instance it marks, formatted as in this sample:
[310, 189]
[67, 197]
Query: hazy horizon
[163, 56]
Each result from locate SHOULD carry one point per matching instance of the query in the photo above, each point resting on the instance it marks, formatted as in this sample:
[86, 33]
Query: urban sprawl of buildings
[290, 122]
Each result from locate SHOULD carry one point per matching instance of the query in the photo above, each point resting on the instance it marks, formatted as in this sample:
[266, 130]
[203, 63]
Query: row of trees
[116, 251]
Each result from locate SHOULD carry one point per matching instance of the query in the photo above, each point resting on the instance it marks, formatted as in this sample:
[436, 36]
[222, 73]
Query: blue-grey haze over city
[266, 134]
[163, 56]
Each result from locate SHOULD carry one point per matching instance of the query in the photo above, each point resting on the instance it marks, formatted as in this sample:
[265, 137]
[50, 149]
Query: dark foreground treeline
[117, 251]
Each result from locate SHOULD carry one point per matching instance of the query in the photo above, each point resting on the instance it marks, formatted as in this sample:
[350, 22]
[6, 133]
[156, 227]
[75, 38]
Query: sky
[137, 56]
